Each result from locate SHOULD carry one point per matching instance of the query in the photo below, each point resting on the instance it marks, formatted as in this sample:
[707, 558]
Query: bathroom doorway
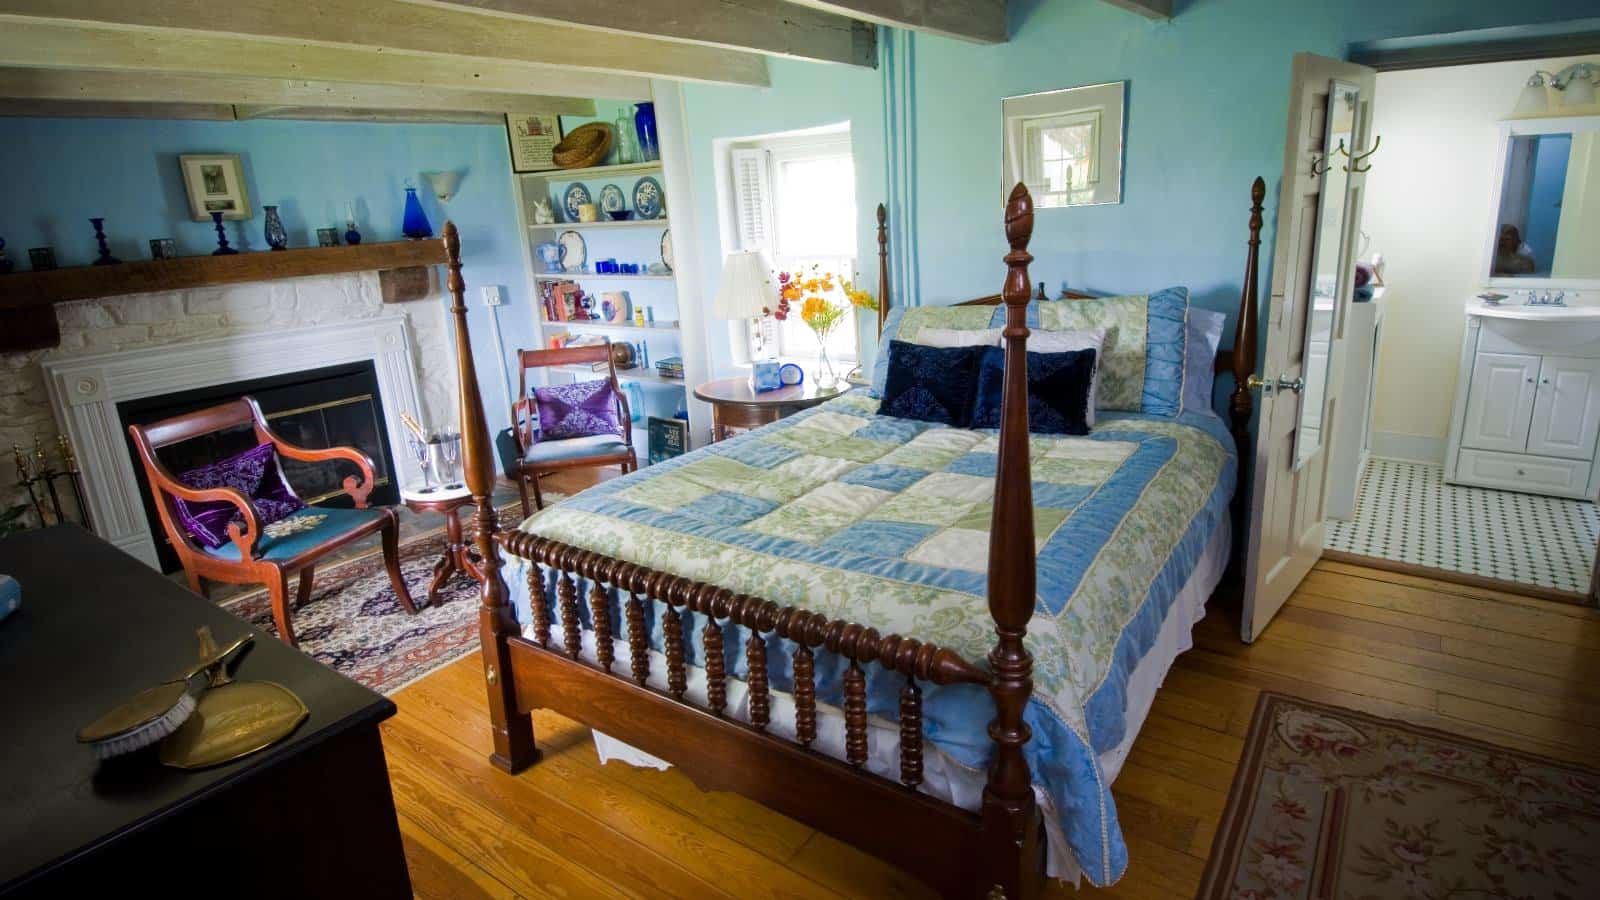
[1467, 446]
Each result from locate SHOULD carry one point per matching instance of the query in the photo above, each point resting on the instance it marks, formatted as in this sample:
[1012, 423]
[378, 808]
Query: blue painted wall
[60, 172]
[1207, 107]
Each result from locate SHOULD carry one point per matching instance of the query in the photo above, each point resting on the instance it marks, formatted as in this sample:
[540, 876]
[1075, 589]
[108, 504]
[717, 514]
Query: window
[1061, 156]
[795, 198]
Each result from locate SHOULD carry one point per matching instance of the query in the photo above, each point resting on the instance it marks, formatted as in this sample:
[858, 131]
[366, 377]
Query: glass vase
[644, 122]
[826, 377]
[415, 225]
[627, 154]
[277, 237]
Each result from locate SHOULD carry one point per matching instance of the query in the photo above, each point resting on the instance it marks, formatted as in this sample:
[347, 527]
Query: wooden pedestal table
[458, 556]
[735, 406]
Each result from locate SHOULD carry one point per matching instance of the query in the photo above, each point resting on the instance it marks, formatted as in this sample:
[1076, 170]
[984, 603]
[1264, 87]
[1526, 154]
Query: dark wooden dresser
[311, 816]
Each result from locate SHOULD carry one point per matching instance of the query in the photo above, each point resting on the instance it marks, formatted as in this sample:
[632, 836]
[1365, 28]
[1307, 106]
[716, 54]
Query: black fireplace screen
[337, 406]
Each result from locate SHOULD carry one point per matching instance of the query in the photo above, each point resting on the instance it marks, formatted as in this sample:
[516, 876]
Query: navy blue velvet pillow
[932, 384]
[1058, 390]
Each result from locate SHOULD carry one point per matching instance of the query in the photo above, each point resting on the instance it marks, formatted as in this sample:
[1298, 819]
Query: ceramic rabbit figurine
[542, 213]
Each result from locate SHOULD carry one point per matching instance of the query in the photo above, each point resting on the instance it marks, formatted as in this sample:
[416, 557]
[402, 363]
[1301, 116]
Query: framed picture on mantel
[215, 182]
[533, 138]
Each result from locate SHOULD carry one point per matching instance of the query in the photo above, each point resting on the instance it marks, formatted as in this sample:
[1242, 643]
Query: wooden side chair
[536, 457]
[254, 556]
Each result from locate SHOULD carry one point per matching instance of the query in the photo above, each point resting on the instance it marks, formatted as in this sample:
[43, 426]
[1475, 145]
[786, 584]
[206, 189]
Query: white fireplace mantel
[85, 390]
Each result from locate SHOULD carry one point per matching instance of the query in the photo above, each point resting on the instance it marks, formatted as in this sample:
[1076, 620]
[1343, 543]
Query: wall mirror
[1547, 206]
[1329, 280]
[1066, 145]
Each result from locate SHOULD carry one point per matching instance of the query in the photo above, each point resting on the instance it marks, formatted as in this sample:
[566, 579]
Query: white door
[1500, 402]
[1566, 414]
[1319, 214]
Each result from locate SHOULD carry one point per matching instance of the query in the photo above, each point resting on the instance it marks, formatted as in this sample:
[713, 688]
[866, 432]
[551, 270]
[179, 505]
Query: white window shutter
[752, 189]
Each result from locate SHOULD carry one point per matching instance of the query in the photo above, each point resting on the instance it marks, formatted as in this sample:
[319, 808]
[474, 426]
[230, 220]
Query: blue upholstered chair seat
[278, 549]
[574, 448]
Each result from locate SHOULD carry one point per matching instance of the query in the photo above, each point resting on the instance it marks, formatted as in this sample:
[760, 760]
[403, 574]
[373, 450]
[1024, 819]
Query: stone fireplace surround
[120, 348]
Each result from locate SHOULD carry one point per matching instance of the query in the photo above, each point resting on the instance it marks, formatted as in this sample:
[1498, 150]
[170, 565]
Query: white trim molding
[1408, 447]
[84, 393]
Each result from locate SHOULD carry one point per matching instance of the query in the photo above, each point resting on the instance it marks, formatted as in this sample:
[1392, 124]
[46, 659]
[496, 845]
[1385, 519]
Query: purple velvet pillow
[257, 474]
[577, 410]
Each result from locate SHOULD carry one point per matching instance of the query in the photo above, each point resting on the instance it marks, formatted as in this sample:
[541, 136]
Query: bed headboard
[1238, 360]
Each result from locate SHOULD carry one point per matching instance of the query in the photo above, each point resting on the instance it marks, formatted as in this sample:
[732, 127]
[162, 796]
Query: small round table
[735, 405]
[457, 555]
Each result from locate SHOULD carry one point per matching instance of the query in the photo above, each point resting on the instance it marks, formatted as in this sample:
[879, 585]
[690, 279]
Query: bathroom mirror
[1328, 283]
[1547, 206]
[1066, 145]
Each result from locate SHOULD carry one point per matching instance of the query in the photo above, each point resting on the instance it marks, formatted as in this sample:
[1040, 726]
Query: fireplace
[334, 406]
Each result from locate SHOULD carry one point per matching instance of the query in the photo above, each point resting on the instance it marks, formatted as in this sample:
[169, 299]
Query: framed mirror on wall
[1547, 205]
[1332, 270]
[1066, 145]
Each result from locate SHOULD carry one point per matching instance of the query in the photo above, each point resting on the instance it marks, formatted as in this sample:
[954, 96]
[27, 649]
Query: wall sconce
[1576, 84]
[443, 183]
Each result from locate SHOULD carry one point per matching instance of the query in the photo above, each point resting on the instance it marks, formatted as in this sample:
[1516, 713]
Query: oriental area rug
[1333, 803]
[355, 624]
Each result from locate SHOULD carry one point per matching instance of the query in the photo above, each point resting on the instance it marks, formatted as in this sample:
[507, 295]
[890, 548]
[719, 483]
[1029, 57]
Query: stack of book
[671, 367]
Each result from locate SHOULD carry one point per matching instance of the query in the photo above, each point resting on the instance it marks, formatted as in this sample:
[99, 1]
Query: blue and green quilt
[885, 522]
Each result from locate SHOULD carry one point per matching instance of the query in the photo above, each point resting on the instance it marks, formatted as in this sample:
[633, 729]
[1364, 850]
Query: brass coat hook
[1321, 164]
[1355, 161]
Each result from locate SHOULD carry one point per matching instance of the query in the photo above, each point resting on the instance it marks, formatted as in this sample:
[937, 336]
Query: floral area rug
[1333, 803]
[355, 624]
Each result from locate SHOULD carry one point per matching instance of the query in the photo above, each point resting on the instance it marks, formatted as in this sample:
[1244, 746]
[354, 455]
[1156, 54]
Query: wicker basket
[584, 146]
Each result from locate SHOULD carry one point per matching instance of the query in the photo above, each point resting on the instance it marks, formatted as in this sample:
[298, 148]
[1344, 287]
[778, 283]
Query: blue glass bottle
[644, 122]
[415, 225]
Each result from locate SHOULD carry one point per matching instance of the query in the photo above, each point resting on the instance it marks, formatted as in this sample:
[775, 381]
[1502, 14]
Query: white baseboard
[1410, 447]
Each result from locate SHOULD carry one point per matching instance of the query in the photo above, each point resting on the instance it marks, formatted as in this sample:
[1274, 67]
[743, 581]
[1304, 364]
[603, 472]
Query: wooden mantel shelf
[22, 290]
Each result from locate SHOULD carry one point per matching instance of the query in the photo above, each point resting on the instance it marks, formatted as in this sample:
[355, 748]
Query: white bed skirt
[944, 777]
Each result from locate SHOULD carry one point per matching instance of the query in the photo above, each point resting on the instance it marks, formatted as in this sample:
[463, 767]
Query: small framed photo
[327, 237]
[42, 259]
[215, 183]
[163, 248]
[533, 138]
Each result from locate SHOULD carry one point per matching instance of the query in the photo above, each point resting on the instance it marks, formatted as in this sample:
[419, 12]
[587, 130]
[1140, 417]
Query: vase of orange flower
[814, 292]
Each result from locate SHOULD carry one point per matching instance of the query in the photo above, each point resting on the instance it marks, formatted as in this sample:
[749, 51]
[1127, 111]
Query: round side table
[457, 555]
[735, 405]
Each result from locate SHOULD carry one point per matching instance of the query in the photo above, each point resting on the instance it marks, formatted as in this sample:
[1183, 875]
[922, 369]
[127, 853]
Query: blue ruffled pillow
[1058, 391]
[931, 384]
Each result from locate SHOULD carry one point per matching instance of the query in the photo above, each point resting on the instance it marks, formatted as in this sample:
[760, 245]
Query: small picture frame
[533, 138]
[215, 183]
[163, 248]
[327, 237]
[42, 259]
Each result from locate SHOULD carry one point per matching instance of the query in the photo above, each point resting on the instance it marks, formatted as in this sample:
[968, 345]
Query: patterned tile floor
[1406, 512]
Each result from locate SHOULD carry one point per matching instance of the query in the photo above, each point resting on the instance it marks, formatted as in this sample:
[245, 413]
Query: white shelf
[596, 276]
[584, 226]
[594, 171]
[645, 376]
[608, 326]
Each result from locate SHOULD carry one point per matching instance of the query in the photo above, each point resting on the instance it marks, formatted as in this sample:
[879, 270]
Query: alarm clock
[790, 374]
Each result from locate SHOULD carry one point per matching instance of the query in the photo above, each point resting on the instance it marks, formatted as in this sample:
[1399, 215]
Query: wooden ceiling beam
[978, 21]
[1159, 10]
[468, 40]
[772, 27]
[57, 85]
[100, 109]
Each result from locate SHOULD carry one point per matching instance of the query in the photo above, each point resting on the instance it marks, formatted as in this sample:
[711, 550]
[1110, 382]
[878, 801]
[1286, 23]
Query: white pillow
[1067, 341]
[959, 337]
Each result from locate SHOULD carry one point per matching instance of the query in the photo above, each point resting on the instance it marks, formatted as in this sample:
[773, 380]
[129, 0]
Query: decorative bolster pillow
[931, 384]
[1058, 391]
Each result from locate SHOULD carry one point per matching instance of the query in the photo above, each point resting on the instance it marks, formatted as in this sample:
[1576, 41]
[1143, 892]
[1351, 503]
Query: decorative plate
[576, 195]
[611, 199]
[648, 198]
[574, 252]
[666, 249]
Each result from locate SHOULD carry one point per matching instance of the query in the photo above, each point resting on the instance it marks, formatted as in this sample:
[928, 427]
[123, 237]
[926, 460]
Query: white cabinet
[1566, 415]
[1500, 401]
[1525, 419]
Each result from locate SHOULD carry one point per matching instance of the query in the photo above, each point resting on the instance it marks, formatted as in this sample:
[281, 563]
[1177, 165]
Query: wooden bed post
[1241, 403]
[514, 748]
[1012, 861]
[883, 268]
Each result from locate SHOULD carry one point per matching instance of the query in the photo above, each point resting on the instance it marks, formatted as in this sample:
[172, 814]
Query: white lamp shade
[746, 288]
[1579, 92]
[1533, 98]
[443, 183]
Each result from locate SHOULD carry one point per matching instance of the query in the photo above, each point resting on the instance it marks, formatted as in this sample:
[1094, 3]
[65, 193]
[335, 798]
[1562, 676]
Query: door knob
[1255, 382]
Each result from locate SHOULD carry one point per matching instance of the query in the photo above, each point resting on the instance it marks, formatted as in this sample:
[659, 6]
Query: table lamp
[745, 292]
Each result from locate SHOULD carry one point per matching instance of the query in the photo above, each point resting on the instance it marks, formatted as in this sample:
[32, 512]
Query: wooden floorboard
[1511, 670]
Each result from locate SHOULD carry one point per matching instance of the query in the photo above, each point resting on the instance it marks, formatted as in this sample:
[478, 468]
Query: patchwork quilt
[885, 522]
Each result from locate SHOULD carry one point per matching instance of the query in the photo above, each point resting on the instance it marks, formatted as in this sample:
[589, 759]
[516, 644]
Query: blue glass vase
[644, 122]
[415, 225]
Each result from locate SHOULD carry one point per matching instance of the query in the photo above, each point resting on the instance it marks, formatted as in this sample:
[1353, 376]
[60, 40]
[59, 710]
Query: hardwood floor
[1512, 670]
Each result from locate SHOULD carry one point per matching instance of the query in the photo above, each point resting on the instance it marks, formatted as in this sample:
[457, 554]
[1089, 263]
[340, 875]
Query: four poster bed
[869, 690]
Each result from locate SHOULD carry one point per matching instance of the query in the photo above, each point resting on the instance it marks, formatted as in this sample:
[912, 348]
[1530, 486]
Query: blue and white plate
[648, 198]
[576, 195]
[574, 252]
[611, 199]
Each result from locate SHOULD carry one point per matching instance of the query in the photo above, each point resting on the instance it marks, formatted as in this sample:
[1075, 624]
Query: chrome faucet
[1545, 299]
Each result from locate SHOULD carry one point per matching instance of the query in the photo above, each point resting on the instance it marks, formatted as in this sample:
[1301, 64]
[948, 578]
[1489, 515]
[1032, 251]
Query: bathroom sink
[1545, 327]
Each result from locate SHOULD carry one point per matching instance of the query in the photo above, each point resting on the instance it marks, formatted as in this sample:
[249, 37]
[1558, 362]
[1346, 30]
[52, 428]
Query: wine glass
[419, 452]
[450, 446]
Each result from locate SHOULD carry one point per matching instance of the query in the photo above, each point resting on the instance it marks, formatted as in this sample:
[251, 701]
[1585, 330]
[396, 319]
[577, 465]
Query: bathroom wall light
[443, 183]
[1576, 84]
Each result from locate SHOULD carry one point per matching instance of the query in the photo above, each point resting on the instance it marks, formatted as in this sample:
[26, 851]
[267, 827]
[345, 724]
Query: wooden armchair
[255, 557]
[536, 457]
